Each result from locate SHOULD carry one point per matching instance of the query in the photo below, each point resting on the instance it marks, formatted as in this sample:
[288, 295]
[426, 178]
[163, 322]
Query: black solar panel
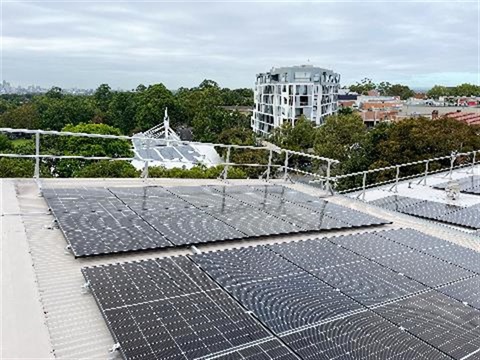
[369, 283]
[361, 336]
[424, 268]
[370, 245]
[448, 213]
[396, 202]
[468, 217]
[439, 320]
[168, 309]
[281, 295]
[269, 350]
[414, 239]
[466, 291]
[315, 254]
[470, 184]
[320, 299]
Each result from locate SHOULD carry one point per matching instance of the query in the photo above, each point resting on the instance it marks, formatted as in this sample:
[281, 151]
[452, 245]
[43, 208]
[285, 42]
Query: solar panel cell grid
[315, 254]
[414, 239]
[370, 245]
[361, 336]
[369, 283]
[461, 256]
[156, 217]
[439, 320]
[424, 268]
[270, 350]
[466, 291]
[168, 309]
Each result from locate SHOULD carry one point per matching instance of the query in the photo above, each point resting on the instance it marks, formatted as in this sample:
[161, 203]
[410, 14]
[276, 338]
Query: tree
[438, 91]
[300, 137]
[151, 106]
[121, 111]
[23, 117]
[107, 169]
[363, 87]
[209, 123]
[103, 95]
[54, 93]
[86, 146]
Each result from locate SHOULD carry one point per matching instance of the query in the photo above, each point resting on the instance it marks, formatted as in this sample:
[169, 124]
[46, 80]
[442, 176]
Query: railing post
[452, 162]
[364, 185]
[285, 173]
[37, 156]
[146, 164]
[397, 176]
[473, 161]
[327, 185]
[427, 165]
[267, 178]
[227, 160]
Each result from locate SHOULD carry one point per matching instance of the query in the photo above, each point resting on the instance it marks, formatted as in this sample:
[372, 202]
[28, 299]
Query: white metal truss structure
[161, 131]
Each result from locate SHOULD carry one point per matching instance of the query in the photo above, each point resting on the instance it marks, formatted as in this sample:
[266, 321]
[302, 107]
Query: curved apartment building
[284, 94]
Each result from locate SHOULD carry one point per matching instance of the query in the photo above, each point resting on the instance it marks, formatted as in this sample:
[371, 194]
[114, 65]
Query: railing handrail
[149, 140]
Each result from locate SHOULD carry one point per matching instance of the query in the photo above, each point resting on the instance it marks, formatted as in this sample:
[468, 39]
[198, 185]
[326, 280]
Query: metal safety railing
[422, 177]
[271, 164]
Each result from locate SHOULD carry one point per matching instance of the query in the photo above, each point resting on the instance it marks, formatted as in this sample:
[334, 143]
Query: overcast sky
[86, 43]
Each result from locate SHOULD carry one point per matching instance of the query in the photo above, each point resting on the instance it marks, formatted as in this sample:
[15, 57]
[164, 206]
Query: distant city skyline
[83, 43]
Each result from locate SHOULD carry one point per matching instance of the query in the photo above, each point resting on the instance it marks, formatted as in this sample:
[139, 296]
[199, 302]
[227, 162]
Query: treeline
[460, 90]
[129, 111]
[384, 88]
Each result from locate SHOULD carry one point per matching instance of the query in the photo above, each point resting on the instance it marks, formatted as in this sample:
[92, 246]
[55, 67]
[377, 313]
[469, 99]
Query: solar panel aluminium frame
[122, 196]
[267, 338]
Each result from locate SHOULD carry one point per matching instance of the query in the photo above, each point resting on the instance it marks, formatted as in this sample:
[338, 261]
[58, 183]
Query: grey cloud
[127, 43]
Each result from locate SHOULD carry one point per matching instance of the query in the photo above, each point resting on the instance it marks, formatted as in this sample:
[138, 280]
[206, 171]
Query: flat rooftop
[48, 313]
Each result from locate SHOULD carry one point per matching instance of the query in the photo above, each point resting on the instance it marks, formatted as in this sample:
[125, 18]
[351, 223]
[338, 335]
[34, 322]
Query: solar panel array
[469, 185]
[346, 297]
[120, 219]
[452, 214]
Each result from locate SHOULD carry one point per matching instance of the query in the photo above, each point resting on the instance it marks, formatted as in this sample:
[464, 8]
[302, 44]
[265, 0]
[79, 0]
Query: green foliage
[363, 87]
[301, 137]
[207, 125]
[151, 104]
[460, 90]
[85, 146]
[107, 169]
[56, 112]
[22, 117]
[5, 144]
[196, 172]
[403, 91]
[20, 168]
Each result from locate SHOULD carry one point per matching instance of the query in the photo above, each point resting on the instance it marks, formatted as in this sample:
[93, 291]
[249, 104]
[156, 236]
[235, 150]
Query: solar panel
[424, 268]
[452, 214]
[168, 309]
[370, 245]
[152, 217]
[188, 152]
[281, 295]
[414, 239]
[269, 350]
[466, 291]
[369, 283]
[439, 320]
[361, 336]
[458, 255]
[315, 254]
[396, 202]
[470, 184]
[468, 217]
